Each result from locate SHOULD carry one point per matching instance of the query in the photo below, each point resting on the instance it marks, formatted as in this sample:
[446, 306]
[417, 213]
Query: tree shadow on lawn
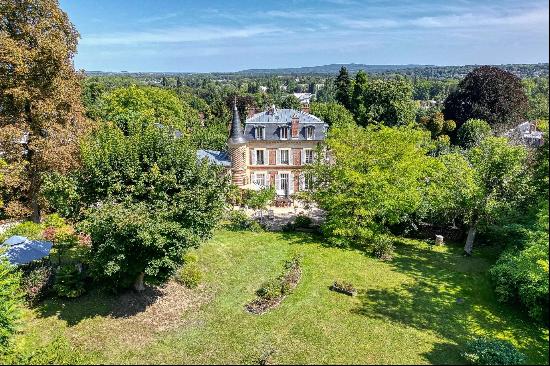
[451, 297]
[99, 303]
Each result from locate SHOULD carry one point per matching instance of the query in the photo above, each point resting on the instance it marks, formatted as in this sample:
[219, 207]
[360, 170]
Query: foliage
[61, 194]
[303, 221]
[28, 229]
[537, 94]
[239, 220]
[130, 239]
[343, 88]
[10, 303]
[291, 102]
[383, 247]
[41, 120]
[36, 281]
[485, 351]
[472, 132]
[282, 285]
[388, 102]
[377, 180]
[189, 275]
[259, 199]
[69, 282]
[334, 114]
[136, 107]
[488, 93]
[435, 122]
[503, 179]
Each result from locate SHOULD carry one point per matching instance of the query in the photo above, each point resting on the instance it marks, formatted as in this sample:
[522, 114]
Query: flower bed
[273, 292]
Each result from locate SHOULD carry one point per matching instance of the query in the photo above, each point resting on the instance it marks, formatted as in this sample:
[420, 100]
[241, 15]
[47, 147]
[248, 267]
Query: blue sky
[202, 36]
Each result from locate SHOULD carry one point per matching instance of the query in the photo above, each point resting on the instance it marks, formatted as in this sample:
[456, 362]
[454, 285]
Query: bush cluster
[484, 351]
[239, 220]
[69, 282]
[189, 274]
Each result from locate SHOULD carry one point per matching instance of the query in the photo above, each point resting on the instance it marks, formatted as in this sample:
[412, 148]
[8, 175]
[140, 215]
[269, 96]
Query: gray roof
[215, 157]
[236, 136]
[273, 121]
[21, 250]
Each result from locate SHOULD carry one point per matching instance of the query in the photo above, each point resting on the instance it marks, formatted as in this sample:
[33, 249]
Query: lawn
[419, 308]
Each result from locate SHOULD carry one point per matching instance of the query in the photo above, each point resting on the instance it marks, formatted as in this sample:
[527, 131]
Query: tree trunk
[138, 285]
[470, 240]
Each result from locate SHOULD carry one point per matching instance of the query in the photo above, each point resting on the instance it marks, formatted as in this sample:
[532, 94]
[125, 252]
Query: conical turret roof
[236, 136]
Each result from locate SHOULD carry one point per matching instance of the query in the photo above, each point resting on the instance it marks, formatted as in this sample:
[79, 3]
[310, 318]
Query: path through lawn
[419, 308]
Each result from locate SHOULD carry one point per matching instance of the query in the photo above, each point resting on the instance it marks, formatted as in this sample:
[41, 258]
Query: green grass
[406, 310]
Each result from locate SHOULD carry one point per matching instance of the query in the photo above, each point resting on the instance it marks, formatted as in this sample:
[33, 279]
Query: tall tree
[40, 109]
[343, 88]
[491, 94]
[500, 170]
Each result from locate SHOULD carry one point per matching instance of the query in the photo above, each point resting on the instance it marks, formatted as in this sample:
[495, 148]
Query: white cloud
[176, 35]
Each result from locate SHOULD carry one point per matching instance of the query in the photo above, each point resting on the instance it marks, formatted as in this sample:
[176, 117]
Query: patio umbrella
[23, 252]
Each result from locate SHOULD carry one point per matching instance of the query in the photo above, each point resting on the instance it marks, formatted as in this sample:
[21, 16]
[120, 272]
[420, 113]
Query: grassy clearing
[406, 310]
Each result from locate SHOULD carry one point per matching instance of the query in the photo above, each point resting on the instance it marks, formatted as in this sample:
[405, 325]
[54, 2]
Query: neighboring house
[273, 149]
[526, 133]
[304, 98]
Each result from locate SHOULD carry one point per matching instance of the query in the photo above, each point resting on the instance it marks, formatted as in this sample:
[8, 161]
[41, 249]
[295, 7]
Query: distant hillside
[429, 71]
[423, 71]
[331, 69]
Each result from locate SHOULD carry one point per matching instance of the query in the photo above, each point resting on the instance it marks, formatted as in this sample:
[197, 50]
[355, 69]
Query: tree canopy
[42, 116]
[488, 93]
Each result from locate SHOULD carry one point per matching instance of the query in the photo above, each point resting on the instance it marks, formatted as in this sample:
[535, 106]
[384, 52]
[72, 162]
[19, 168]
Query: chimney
[305, 108]
[294, 129]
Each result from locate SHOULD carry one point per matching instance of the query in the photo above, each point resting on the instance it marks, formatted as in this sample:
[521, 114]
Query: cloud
[466, 20]
[177, 35]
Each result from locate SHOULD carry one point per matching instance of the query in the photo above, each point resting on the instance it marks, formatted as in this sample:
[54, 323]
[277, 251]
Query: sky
[223, 35]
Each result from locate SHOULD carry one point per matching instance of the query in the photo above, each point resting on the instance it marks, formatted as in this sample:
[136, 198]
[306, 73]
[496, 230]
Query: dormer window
[310, 132]
[283, 132]
[260, 132]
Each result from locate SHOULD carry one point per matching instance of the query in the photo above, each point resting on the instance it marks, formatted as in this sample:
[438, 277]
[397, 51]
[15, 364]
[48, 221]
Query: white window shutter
[290, 157]
[253, 152]
[303, 156]
[252, 178]
[278, 157]
[277, 182]
[302, 182]
[290, 183]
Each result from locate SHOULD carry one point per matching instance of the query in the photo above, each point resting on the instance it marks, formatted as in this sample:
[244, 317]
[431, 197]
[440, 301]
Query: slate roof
[215, 157]
[273, 120]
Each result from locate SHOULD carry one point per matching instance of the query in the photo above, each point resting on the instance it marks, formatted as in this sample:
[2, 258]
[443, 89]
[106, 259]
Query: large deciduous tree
[150, 199]
[334, 114]
[377, 178]
[501, 173]
[40, 108]
[389, 102]
[488, 93]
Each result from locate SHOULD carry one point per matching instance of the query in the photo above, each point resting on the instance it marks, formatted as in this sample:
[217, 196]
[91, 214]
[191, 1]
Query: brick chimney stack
[294, 127]
[305, 108]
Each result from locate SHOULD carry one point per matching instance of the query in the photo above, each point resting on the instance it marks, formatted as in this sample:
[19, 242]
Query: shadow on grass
[451, 297]
[99, 303]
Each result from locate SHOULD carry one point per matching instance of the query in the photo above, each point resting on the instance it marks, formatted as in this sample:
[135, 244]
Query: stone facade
[273, 149]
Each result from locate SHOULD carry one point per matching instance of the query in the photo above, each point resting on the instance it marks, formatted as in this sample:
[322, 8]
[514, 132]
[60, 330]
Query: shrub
[259, 199]
[239, 220]
[10, 302]
[36, 281]
[484, 351]
[271, 289]
[55, 221]
[189, 275]
[69, 282]
[190, 257]
[303, 221]
[383, 247]
[28, 229]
